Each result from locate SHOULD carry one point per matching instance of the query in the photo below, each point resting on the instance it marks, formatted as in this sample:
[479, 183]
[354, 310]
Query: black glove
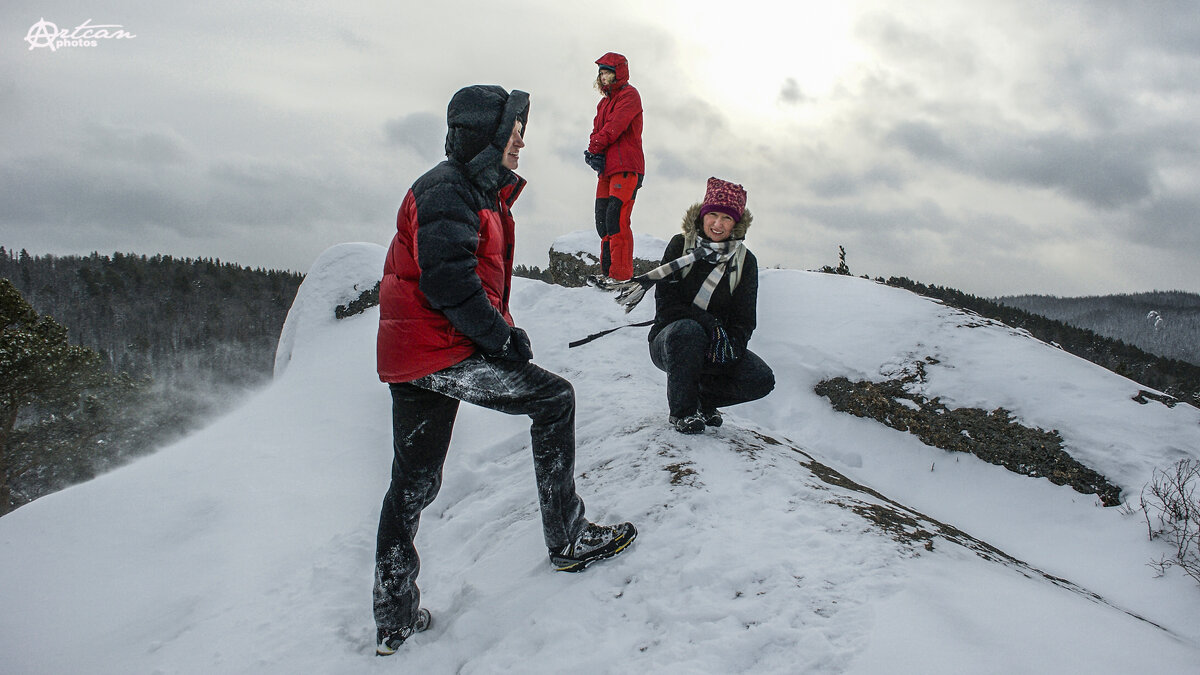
[720, 347]
[594, 160]
[516, 348]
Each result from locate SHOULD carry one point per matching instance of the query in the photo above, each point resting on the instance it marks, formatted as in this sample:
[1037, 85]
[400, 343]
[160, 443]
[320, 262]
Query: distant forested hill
[172, 319]
[1175, 377]
[1162, 323]
[196, 335]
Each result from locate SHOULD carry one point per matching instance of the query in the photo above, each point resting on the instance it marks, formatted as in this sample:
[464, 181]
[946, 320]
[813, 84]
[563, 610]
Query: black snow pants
[693, 383]
[423, 413]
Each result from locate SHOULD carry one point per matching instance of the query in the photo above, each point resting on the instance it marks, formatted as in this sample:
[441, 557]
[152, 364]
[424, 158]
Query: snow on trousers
[692, 382]
[615, 195]
[423, 413]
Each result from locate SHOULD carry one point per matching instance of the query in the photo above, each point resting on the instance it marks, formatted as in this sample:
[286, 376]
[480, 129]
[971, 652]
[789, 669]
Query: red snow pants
[615, 195]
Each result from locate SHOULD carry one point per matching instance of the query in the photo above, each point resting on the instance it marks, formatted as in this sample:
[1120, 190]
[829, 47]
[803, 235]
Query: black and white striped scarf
[719, 253]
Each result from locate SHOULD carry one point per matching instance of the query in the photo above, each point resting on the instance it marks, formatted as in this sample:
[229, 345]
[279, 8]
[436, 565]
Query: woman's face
[718, 226]
[607, 77]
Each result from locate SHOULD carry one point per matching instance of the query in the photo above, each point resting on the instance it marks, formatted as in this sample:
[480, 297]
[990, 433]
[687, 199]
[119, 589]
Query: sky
[998, 147]
[248, 546]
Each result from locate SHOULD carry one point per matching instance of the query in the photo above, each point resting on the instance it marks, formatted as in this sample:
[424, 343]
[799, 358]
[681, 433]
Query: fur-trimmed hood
[693, 223]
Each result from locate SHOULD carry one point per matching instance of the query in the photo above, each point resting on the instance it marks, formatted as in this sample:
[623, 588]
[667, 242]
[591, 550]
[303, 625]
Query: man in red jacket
[615, 153]
[446, 335]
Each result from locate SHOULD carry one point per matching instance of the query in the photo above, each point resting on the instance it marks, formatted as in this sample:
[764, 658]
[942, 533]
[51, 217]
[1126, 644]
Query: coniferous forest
[1166, 323]
[116, 356]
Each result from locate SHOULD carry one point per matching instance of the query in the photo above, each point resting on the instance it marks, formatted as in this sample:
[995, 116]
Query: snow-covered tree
[38, 368]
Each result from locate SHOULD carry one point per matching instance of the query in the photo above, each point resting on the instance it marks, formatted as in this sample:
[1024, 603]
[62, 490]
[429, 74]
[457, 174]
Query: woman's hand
[720, 347]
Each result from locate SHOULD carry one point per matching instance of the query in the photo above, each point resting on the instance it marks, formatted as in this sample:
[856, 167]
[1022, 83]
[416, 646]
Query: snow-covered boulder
[337, 277]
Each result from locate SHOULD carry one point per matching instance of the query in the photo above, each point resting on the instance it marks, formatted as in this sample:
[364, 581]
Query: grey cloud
[977, 252]
[1169, 222]
[922, 140]
[877, 241]
[889, 224]
[569, 150]
[693, 141]
[422, 132]
[905, 47]
[1105, 171]
[130, 145]
[849, 183]
[674, 166]
[1108, 172]
[8, 96]
[59, 190]
[275, 194]
[1112, 98]
[791, 94]
[692, 165]
[192, 200]
[1169, 25]
[694, 116]
[352, 39]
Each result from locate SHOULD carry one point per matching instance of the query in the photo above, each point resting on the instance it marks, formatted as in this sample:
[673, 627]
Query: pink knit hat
[724, 197]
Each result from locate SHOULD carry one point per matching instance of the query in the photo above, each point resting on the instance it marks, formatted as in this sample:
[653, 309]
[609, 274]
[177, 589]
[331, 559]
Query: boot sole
[581, 565]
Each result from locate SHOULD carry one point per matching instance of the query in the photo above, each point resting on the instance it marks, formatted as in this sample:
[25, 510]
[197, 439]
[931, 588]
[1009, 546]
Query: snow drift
[792, 539]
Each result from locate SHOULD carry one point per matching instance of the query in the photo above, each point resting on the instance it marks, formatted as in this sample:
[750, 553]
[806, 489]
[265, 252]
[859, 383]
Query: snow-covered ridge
[793, 539]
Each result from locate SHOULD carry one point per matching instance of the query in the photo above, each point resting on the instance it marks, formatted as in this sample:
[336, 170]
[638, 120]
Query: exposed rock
[365, 300]
[1145, 397]
[572, 269]
[992, 436]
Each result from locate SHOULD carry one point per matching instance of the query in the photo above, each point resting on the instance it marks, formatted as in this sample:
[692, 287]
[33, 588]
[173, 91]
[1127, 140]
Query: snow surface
[248, 547]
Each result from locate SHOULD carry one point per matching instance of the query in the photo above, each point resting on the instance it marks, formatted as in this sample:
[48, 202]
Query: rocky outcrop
[993, 436]
[572, 269]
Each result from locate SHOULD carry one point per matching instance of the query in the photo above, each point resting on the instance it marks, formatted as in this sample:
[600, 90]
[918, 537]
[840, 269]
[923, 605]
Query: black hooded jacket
[736, 309]
[448, 272]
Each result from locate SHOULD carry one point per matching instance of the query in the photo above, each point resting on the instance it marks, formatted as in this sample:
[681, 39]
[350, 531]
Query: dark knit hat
[724, 197]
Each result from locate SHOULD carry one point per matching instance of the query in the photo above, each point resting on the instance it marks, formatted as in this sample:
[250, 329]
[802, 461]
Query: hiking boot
[595, 542]
[388, 640]
[604, 283]
[692, 424]
[712, 417]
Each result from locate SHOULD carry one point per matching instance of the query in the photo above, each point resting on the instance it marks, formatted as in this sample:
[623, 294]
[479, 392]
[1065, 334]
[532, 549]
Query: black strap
[602, 333]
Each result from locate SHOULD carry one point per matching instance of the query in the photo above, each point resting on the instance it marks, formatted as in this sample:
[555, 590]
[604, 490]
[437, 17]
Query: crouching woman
[706, 295]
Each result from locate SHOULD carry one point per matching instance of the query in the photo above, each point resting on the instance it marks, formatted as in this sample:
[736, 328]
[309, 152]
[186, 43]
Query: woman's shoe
[692, 424]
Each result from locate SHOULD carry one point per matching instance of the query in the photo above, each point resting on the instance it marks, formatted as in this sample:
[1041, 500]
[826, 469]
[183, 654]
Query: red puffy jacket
[617, 129]
[448, 273]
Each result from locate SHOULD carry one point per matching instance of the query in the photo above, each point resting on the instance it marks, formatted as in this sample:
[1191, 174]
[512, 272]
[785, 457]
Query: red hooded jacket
[617, 129]
[447, 276]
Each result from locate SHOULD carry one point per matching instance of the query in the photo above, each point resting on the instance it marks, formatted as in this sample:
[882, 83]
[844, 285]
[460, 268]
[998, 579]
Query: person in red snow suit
[446, 335]
[615, 152]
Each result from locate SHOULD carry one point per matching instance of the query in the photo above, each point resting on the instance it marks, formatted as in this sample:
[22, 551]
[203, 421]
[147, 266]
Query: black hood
[479, 124]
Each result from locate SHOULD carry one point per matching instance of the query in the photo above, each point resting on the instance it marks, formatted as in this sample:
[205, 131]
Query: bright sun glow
[756, 54]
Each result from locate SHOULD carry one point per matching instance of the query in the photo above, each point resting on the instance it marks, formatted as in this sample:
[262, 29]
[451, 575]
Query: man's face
[512, 152]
